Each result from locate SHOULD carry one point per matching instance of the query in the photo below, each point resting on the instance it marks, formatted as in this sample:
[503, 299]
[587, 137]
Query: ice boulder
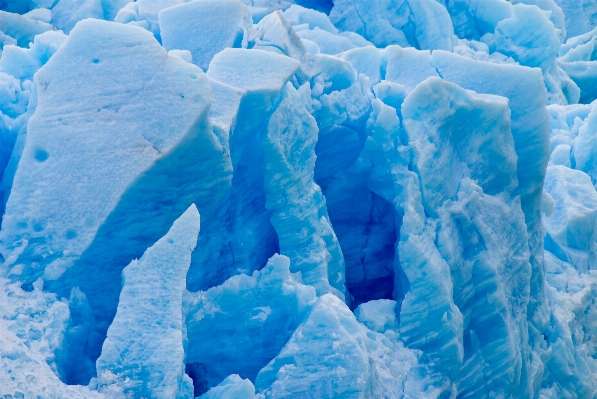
[398, 373]
[512, 36]
[407, 66]
[205, 28]
[143, 352]
[256, 104]
[32, 345]
[256, 313]
[135, 148]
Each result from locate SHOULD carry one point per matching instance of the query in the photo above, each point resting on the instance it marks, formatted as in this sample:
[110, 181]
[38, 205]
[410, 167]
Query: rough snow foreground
[397, 198]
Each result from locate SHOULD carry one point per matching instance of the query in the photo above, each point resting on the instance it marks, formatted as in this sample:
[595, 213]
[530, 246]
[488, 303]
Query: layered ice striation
[398, 199]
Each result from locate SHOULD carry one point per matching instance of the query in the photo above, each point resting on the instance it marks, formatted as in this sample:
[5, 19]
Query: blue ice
[398, 199]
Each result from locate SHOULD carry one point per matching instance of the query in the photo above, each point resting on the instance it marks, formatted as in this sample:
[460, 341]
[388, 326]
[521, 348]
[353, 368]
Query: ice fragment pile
[298, 198]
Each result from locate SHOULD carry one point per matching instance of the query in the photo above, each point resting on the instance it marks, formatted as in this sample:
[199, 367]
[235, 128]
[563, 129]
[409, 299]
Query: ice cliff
[234, 199]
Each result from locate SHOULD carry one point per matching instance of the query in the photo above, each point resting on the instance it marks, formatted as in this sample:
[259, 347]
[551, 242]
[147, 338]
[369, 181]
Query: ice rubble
[397, 198]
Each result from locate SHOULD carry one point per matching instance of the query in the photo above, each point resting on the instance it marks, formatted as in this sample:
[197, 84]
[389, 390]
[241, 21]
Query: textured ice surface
[273, 304]
[398, 199]
[143, 352]
[105, 131]
[224, 23]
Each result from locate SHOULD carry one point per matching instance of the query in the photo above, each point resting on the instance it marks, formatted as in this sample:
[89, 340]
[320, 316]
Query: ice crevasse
[233, 199]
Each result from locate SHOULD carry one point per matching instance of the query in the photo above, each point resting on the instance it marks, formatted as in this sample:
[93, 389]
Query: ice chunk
[579, 16]
[224, 23]
[143, 352]
[257, 314]
[297, 206]
[233, 387]
[571, 229]
[365, 60]
[459, 141]
[23, 63]
[327, 354]
[32, 325]
[474, 208]
[424, 24]
[145, 11]
[119, 148]
[433, 27]
[378, 316]
[512, 37]
[577, 59]
[407, 66]
[298, 15]
[329, 74]
[560, 156]
[530, 129]
[330, 43]
[21, 28]
[40, 14]
[571, 335]
[554, 12]
[473, 19]
[24, 372]
[241, 237]
[224, 108]
[260, 92]
[66, 13]
[277, 34]
[585, 147]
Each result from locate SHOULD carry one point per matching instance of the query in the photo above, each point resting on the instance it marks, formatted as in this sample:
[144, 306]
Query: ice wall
[398, 199]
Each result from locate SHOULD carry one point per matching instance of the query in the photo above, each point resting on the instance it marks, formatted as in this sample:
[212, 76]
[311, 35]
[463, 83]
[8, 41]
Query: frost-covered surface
[398, 199]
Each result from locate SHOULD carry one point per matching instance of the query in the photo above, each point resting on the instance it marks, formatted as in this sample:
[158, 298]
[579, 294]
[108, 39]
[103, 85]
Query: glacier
[259, 199]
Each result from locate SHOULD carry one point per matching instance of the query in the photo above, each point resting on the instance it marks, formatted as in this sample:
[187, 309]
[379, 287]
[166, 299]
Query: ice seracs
[143, 354]
[397, 198]
[161, 133]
